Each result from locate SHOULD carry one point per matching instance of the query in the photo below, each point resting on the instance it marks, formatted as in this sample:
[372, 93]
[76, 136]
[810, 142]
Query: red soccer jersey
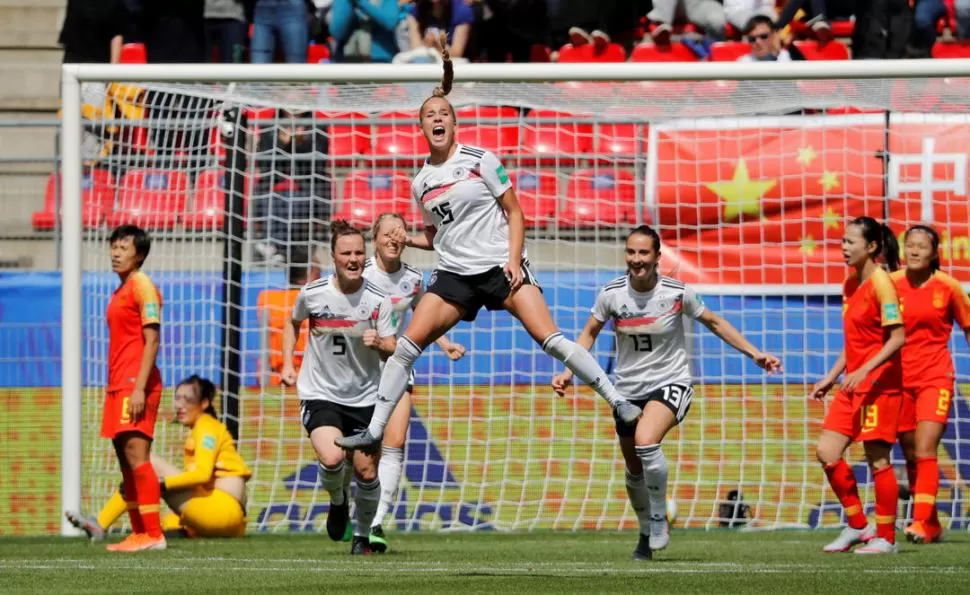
[134, 305]
[867, 310]
[928, 315]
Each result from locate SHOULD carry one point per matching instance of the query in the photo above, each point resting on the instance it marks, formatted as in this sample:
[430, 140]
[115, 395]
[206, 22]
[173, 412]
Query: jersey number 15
[444, 211]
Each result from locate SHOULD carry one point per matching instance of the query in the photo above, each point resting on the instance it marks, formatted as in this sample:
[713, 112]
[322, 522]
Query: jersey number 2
[444, 211]
[642, 342]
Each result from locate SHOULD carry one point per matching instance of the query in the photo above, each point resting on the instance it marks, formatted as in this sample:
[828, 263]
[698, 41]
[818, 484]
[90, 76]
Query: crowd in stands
[299, 31]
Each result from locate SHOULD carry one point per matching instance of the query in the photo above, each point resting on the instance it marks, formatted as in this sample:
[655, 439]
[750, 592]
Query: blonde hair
[381, 219]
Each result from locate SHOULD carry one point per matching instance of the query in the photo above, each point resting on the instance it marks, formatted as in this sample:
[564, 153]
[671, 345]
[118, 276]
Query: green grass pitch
[695, 562]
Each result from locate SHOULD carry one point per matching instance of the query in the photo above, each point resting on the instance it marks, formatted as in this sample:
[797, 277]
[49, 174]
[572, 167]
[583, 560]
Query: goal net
[749, 182]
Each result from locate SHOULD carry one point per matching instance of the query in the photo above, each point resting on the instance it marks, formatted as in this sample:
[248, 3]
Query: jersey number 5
[642, 342]
[444, 211]
[339, 345]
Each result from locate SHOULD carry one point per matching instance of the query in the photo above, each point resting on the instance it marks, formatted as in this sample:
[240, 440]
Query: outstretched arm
[726, 332]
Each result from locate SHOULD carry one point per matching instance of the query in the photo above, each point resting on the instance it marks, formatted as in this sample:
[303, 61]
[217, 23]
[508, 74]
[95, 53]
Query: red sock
[131, 499]
[149, 498]
[924, 492]
[887, 496]
[844, 485]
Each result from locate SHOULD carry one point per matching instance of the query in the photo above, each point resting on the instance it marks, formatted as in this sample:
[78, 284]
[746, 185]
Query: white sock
[348, 476]
[368, 495]
[332, 479]
[389, 471]
[583, 365]
[655, 477]
[636, 490]
[394, 381]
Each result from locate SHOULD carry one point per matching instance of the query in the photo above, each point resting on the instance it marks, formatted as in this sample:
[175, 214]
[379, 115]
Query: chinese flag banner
[765, 200]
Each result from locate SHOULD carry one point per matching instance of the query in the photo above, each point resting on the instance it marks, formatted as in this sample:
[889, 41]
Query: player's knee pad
[406, 353]
[558, 346]
[652, 458]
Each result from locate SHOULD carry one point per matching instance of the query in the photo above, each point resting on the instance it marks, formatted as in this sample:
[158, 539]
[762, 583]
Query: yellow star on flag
[831, 219]
[808, 245]
[806, 155]
[829, 180]
[741, 194]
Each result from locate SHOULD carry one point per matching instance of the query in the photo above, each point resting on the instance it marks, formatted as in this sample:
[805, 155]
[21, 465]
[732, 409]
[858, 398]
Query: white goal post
[495, 84]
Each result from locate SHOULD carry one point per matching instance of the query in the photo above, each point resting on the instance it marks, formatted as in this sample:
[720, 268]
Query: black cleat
[377, 539]
[359, 441]
[338, 518]
[643, 551]
[359, 546]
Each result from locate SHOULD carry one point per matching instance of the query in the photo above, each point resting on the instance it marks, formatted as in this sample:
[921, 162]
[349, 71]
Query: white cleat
[659, 534]
[877, 546]
[850, 537]
[88, 524]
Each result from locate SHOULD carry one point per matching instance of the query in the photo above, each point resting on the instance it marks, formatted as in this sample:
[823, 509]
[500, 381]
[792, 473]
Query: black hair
[647, 231]
[139, 237]
[299, 266]
[758, 19]
[340, 228]
[934, 243]
[206, 391]
[887, 246]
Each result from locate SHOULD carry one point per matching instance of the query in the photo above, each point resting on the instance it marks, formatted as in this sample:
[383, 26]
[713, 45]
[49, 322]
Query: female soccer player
[866, 408]
[351, 332]
[474, 223]
[930, 301]
[648, 310]
[405, 285]
[209, 496]
[134, 389]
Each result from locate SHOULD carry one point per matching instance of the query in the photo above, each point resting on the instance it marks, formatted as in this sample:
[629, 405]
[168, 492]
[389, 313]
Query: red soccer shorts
[929, 403]
[865, 416]
[116, 419]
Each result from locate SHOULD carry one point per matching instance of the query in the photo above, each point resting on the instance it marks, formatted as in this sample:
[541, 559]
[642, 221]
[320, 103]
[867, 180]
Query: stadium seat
[400, 142]
[813, 50]
[550, 142]
[97, 197]
[540, 53]
[472, 113]
[617, 141]
[675, 52]
[209, 202]
[133, 53]
[729, 51]
[843, 28]
[368, 193]
[595, 197]
[952, 49]
[150, 198]
[498, 133]
[317, 53]
[613, 52]
[348, 141]
[538, 194]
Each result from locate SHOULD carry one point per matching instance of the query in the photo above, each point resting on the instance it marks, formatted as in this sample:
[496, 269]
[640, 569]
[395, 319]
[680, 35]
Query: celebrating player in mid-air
[405, 285]
[652, 371]
[351, 331]
[475, 225]
[134, 390]
[866, 408]
[930, 302]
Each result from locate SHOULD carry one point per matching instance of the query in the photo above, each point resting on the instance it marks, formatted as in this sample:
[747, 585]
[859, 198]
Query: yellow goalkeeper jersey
[209, 453]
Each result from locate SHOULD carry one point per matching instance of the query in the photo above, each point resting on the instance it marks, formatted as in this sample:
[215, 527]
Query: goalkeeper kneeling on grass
[209, 497]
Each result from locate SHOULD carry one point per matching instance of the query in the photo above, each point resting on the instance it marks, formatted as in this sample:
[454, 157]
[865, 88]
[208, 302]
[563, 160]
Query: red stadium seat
[842, 28]
[538, 194]
[540, 53]
[472, 113]
[613, 52]
[97, 197]
[953, 49]
[500, 136]
[549, 142]
[209, 202]
[133, 53]
[317, 53]
[150, 198]
[812, 50]
[675, 52]
[400, 142]
[348, 141]
[604, 196]
[617, 140]
[729, 51]
[368, 193]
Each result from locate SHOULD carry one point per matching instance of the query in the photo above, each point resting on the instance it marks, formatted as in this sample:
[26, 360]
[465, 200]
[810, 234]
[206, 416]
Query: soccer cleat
[627, 411]
[338, 520]
[643, 551]
[348, 533]
[359, 441]
[879, 545]
[850, 537]
[659, 534]
[139, 542]
[919, 532]
[359, 546]
[377, 539]
[88, 524]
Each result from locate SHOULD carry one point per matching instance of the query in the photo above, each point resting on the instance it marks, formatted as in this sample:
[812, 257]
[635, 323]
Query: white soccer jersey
[459, 198]
[336, 365]
[404, 286]
[651, 350]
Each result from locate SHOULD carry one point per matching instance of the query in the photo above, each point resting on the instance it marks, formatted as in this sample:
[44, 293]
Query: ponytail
[890, 248]
[887, 246]
[448, 76]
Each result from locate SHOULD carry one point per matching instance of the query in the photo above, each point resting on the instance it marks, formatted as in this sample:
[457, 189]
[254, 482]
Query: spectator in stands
[93, 31]
[173, 31]
[509, 28]
[292, 199]
[766, 43]
[961, 9]
[882, 29]
[364, 30]
[706, 14]
[285, 20]
[819, 13]
[599, 22]
[427, 17]
[922, 36]
[739, 12]
[226, 30]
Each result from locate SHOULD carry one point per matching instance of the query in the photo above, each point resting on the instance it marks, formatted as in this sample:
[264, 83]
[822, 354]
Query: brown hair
[447, 76]
[340, 228]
